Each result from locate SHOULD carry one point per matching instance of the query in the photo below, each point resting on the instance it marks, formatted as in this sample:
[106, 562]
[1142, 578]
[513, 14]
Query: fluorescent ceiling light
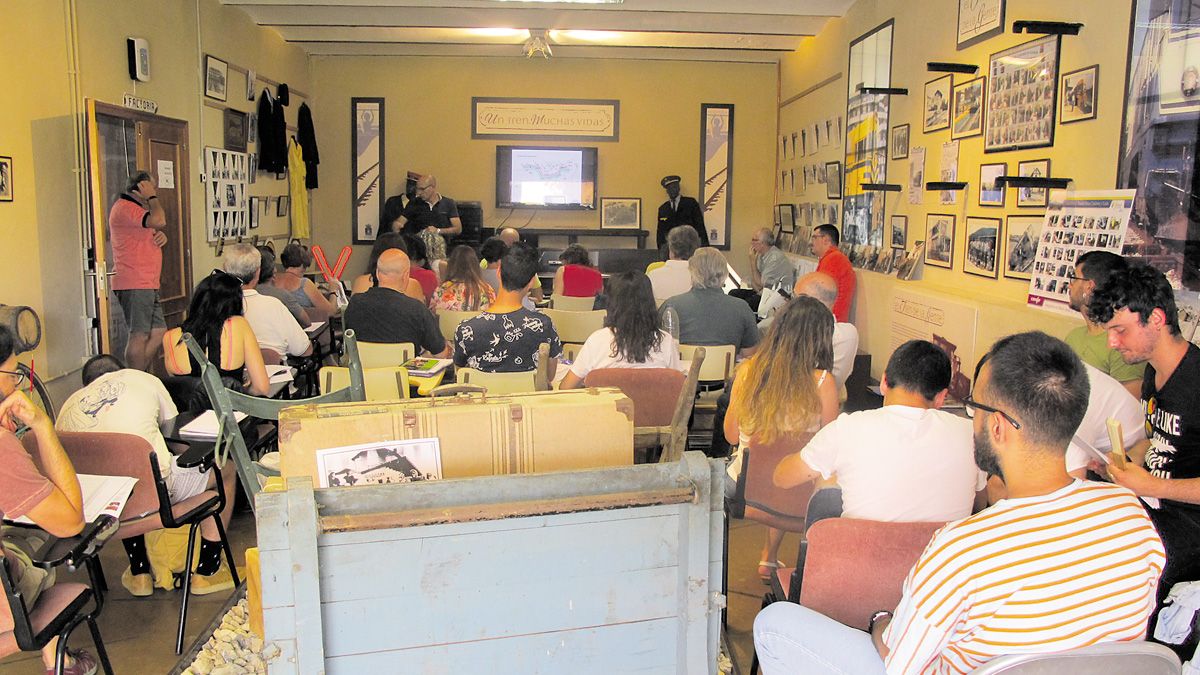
[521, 33]
[587, 35]
[571, 2]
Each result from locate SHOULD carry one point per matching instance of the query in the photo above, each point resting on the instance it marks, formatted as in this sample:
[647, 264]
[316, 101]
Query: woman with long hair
[215, 320]
[464, 288]
[386, 241]
[632, 336]
[577, 278]
[785, 392]
[419, 257]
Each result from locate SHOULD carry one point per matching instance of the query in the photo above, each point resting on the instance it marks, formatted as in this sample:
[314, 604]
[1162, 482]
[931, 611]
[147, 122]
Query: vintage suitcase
[480, 435]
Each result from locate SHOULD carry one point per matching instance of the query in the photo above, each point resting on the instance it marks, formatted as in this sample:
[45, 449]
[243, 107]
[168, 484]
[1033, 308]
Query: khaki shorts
[143, 311]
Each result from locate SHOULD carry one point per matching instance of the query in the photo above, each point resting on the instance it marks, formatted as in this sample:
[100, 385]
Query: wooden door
[121, 142]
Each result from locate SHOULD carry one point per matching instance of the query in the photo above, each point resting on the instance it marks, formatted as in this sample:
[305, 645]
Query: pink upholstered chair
[149, 507]
[662, 403]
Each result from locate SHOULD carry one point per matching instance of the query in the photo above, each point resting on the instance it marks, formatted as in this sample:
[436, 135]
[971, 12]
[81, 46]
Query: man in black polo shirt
[1137, 307]
[430, 209]
[385, 314]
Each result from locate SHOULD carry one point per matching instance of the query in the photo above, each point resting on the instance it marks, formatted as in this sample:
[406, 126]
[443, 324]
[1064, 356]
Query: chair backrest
[226, 403]
[380, 384]
[111, 454]
[757, 498]
[718, 361]
[383, 354]
[851, 568]
[655, 265]
[1106, 658]
[569, 303]
[575, 326]
[499, 383]
[449, 319]
[271, 357]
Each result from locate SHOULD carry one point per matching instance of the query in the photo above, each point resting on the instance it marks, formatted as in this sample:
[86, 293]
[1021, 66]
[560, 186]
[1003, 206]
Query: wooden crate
[599, 571]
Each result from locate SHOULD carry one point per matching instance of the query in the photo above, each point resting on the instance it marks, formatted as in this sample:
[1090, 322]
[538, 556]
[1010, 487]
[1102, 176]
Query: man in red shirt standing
[135, 224]
[833, 262]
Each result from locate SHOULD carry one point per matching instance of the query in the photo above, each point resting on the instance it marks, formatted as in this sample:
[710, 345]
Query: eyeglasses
[18, 377]
[970, 404]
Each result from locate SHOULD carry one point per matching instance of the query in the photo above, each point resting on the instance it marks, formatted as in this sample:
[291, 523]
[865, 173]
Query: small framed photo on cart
[833, 180]
[6, 179]
[982, 246]
[1077, 98]
[939, 238]
[991, 194]
[216, 77]
[620, 213]
[900, 141]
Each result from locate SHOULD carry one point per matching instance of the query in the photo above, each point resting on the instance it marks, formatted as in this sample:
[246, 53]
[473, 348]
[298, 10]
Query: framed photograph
[833, 180]
[1038, 168]
[1077, 98]
[366, 168]
[982, 246]
[899, 232]
[235, 130]
[1022, 90]
[979, 20]
[620, 213]
[282, 208]
[380, 463]
[939, 238]
[991, 194]
[900, 141]
[967, 109]
[1020, 246]
[6, 179]
[216, 77]
[254, 211]
[785, 218]
[716, 172]
[936, 108]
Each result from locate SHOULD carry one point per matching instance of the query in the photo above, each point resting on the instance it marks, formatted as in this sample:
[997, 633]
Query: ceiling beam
[560, 52]
[781, 7]
[307, 34]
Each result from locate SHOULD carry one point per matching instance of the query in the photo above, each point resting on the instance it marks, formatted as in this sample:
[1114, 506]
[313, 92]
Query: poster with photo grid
[226, 173]
[1076, 222]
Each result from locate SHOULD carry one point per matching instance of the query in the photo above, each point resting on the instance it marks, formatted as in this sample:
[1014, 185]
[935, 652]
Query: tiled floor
[140, 632]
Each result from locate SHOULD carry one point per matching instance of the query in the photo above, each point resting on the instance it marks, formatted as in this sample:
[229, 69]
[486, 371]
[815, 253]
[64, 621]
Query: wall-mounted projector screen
[545, 177]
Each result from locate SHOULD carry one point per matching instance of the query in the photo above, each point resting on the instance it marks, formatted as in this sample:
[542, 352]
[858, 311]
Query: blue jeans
[789, 638]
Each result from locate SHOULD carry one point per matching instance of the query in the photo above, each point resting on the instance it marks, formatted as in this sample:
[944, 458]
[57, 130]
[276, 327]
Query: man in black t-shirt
[505, 338]
[1137, 307]
[385, 314]
[429, 209]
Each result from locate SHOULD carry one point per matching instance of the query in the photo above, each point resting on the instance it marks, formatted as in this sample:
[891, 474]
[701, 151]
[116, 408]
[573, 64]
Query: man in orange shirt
[135, 226]
[833, 262]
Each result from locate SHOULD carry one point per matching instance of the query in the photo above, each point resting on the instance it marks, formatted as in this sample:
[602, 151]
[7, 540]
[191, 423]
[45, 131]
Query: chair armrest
[75, 551]
[192, 453]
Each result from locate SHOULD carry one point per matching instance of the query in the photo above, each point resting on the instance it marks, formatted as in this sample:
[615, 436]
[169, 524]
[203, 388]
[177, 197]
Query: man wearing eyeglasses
[50, 497]
[1090, 341]
[1137, 307]
[1059, 564]
[430, 213]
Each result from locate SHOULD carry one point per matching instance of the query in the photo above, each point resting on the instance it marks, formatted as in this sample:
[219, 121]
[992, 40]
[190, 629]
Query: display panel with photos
[935, 111]
[983, 246]
[991, 194]
[225, 174]
[939, 240]
[967, 108]
[1159, 152]
[1022, 90]
[1021, 238]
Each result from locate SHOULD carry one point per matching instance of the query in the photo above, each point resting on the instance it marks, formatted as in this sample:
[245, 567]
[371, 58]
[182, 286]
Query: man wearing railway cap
[678, 210]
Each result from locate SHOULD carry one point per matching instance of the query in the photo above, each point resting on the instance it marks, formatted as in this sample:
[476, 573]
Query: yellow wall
[428, 129]
[1085, 151]
[40, 118]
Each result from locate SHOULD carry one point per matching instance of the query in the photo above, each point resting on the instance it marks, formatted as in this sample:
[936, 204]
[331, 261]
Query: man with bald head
[509, 236]
[429, 211]
[824, 288]
[385, 314]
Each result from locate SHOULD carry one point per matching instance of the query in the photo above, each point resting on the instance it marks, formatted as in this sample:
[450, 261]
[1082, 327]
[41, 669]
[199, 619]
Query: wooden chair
[662, 403]
[149, 507]
[226, 403]
[716, 375]
[573, 328]
[381, 384]
[382, 354]
[571, 303]
[511, 383]
[449, 319]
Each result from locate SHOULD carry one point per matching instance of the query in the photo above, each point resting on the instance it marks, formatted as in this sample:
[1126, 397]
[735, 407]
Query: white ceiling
[693, 30]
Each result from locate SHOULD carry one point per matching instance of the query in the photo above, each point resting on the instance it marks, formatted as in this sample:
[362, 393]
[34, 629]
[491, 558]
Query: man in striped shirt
[1058, 564]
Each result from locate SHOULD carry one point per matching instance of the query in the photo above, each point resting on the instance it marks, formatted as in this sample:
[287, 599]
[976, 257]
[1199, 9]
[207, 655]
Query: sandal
[770, 567]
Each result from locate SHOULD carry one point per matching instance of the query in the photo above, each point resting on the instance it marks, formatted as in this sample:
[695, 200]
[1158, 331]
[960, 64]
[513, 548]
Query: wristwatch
[876, 617]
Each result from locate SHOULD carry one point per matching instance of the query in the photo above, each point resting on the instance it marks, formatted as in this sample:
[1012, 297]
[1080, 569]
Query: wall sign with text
[545, 118]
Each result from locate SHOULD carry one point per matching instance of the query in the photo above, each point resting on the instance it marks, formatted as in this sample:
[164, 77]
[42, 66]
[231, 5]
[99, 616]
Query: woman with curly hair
[577, 278]
[784, 394]
[464, 289]
[632, 336]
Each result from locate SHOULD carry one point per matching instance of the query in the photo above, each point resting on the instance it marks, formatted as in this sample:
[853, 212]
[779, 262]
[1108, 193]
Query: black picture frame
[945, 84]
[6, 179]
[234, 123]
[898, 225]
[216, 78]
[901, 136]
[785, 217]
[1089, 105]
[1000, 191]
[368, 168]
[957, 96]
[1004, 116]
[727, 193]
[934, 254]
[281, 207]
[1025, 250]
[833, 190]
[1036, 197]
[971, 256]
